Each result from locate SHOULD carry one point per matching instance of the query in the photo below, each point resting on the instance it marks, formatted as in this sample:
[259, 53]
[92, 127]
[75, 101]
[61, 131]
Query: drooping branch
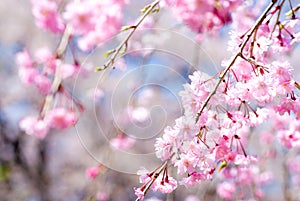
[238, 54]
[57, 77]
[123, 45]
[164, 165]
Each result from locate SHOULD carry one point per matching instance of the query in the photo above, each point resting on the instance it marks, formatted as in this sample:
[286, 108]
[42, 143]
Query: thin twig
[240, 52]
[293, 11]
[124, 43]
[154, 178]
[277, 18]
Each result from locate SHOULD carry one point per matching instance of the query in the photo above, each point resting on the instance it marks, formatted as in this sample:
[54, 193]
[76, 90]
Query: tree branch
[154, 178]
[239, 54]
[115, 52]
[57, 78]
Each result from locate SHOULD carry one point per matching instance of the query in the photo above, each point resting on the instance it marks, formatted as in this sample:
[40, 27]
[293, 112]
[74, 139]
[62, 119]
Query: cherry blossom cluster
[211, 137]
[46, 13]
[242, 179]
[42, 68]
[274, 36]
[41, 71]
[204, 16]
[91, 22]
[94, 21]
[157, 180]
[288, 130]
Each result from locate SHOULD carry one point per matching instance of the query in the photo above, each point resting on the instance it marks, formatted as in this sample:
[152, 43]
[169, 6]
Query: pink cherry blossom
[92, 172]
[46, 15]
[46, 59]
[226, 190]
[261, 88]
[163, 149]
[221, 149]
[68, 70]
[165, 185]
[281, 73]
[44, 55]
[164, 145]
[80, 14]
[186, 163]
[23, 59]
[285, 37]
[243, 160]
[88, 19]
[28, 75]
[60, 118]
[287, 105]
[195, 93]
[259, 116]
[193, 179]
[102, 196]
[290, 137]
[237, 94]
[122, 142]
[27, 71]
[145, 176]
[241, 69]
[203, 16]
[139, 193]
[43, 84]
[33, 126]
[265, 177]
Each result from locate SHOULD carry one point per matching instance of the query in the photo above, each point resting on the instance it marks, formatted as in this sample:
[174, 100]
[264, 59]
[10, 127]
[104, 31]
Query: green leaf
[222, 166]
[124, 49]
[99, 68]
[156, 10]
[125, 28]
[289, 13]
[218, 5]
[108, 53]
[297, 85]
[145, 8]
